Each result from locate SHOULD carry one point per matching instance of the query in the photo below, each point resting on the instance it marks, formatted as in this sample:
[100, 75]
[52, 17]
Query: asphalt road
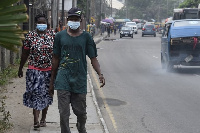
[141, 97]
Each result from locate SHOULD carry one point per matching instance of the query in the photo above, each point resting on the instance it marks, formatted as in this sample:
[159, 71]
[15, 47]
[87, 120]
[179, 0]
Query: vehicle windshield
[191, 16]
[149, 26]
[186, 23]
[130, 23]
[126, 28]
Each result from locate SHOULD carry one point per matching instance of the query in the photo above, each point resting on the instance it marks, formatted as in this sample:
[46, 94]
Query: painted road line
[103, 98]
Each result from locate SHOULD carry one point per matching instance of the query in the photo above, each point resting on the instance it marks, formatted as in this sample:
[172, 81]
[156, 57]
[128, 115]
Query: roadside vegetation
[11, 36]
[5, 76]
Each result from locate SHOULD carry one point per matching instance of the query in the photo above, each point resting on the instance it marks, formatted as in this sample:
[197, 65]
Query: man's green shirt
[72, 70]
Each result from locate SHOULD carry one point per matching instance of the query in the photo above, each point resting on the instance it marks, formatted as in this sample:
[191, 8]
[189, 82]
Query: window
[187, 23]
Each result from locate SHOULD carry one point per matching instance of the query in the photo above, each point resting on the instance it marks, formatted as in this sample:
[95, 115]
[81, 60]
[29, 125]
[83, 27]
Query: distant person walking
[37, 48]
[115, 29]
[69, 70]
[60, 27]
[102, 27]
[108, 30]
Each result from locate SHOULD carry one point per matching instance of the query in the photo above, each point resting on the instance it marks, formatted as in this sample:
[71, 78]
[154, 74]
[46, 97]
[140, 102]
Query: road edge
[103, 123]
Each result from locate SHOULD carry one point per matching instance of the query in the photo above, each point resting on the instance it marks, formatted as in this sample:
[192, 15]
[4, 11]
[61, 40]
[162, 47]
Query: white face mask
[41, 27]
[73, 25]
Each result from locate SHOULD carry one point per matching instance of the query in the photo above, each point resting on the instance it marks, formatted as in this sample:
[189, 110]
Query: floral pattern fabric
[41, 48]
[37, 85]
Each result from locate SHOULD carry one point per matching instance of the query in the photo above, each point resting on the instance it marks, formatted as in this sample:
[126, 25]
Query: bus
[186, 13]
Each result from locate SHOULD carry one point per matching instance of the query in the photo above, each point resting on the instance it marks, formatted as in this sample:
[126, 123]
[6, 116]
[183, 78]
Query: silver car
[149, 29]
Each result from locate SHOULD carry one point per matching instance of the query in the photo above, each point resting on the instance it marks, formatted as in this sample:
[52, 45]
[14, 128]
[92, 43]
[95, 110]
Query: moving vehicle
[149, 29]
[126, 31]
[186, 13]
[133, 25]
[180, 43]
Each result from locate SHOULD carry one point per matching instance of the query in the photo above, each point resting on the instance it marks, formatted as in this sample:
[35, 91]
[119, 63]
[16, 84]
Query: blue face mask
[41, 27]
[73, 25]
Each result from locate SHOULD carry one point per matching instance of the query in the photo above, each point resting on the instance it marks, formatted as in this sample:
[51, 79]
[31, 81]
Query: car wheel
[135, 32]
[120, 36]
[154, 35]
[132, 36]
[142, 35]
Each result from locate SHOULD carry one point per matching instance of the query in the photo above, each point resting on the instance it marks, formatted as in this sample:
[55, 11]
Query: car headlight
[131, 32]
[121, 32]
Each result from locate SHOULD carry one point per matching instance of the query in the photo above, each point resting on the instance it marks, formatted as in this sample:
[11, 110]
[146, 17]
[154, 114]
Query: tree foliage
[148, 9]
[190, 4]
[11, 34]
[82, 4]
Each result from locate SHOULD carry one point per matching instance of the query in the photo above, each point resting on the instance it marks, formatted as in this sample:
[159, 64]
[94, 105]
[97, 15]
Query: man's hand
[102, 80]
[51, 90]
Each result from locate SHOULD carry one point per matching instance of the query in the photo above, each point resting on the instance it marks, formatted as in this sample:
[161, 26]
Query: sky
[117, 4]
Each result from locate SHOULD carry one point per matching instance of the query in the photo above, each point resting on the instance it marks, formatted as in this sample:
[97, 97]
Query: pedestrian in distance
[38, 49]
[60, 27]
[108, 30]
[115, 29]
[69, 70]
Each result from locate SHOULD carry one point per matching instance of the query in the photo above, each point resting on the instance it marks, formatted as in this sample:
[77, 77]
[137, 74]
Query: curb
[97, 106]
[94, 96]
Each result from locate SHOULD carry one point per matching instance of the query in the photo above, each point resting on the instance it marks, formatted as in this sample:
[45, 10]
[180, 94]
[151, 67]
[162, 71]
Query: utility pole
[100, 10]
[92, 3]
[54, 13]
[88, 11]
[111, 8]
[74, 4]
[167, 8]
[126, 3]
[63, 3]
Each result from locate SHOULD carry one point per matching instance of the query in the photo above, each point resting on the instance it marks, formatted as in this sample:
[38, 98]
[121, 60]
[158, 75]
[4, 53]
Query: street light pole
[167, 8]
[62, 13]
[100, 10]
[111, 8]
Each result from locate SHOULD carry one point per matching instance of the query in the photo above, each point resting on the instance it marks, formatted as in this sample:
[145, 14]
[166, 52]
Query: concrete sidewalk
[95, 123]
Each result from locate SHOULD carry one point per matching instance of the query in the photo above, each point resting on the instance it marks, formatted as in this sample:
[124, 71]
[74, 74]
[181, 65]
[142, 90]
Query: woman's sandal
[43, 124]
[36, 125]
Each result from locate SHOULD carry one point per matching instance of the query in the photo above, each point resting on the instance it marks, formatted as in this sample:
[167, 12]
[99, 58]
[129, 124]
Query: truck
[186, 13]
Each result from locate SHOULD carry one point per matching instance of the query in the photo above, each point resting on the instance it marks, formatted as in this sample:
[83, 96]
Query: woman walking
[37, 48]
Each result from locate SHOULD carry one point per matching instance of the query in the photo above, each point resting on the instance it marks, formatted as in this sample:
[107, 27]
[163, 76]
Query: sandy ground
[22, 118]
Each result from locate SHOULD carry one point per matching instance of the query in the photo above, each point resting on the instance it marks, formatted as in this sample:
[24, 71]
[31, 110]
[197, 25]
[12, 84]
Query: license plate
[126, 35]
[148, 30]
[188, 58]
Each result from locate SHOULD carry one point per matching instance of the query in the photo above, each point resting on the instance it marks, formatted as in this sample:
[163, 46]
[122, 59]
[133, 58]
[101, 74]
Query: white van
[133, 25]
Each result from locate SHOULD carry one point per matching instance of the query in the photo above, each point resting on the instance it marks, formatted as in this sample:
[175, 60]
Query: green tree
[148, 9]
[190, 4]
[11, 35]
[82, 4]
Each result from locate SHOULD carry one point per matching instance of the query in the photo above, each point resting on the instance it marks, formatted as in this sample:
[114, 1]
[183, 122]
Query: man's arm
[55, 64]
[96, 67]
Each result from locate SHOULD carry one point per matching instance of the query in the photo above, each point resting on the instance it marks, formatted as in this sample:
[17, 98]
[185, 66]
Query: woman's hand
[20, 73]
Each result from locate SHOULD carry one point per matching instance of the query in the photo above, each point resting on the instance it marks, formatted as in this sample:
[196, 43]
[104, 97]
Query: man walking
[69, 70]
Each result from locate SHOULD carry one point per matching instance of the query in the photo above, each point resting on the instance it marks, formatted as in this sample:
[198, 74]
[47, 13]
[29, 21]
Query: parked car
[133, 25]
[149, 29]
[180, 43]
[126, 31]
